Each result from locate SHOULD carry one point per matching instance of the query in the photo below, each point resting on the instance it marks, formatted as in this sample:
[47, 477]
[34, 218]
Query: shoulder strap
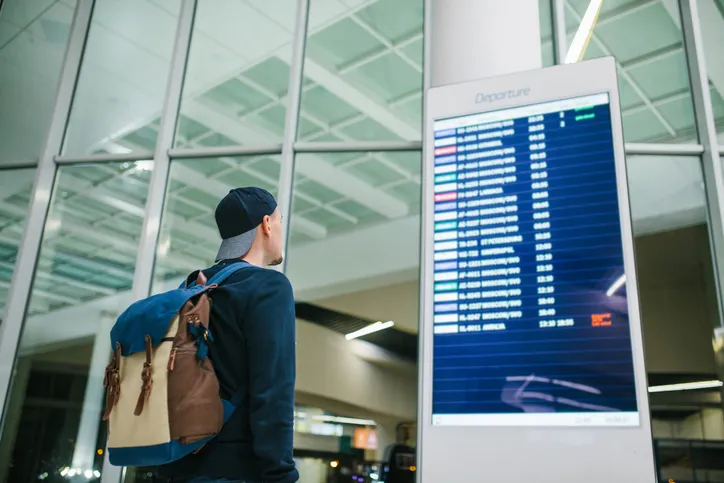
[219, 278]
[226, 272]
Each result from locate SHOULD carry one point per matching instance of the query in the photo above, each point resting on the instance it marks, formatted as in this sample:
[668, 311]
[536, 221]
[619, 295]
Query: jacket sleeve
[271, 345]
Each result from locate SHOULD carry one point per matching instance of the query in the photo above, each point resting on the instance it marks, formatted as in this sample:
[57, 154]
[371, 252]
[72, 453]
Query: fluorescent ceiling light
[144, 165]
[583, 35]
[342, 420]
[687, 386]
[376, 327]
[616, 285]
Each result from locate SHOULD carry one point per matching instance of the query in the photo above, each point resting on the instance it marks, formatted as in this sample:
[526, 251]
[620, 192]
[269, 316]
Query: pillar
[87, 436]
[503, 38]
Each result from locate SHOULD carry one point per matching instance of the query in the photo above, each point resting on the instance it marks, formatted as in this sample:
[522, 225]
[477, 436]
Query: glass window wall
[711, 19]
[648, 44]
[237, 74]
[16, 187]
[189, 238]
[33, 38]
[123, 78]
[82, 282]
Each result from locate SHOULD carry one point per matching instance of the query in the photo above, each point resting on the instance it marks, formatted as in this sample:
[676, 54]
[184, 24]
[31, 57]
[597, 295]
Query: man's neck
[254, 259]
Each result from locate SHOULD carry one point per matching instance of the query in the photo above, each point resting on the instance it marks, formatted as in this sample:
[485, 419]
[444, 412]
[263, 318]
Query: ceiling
[362, 82]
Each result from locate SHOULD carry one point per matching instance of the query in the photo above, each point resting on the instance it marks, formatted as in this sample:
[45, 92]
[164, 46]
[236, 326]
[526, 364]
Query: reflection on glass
[16, 186]
[363, 72]
[354, 227]
[82, 281]
[238, 73]
[123, 78]
[647, 41]
[33, 38]
[675, 276]
[711, 19]
[189, 239]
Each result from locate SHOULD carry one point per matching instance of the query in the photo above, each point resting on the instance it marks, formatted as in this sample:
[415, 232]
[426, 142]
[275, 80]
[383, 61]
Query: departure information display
[530, 315]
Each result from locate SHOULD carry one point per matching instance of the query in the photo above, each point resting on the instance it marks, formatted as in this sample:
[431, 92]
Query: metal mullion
[291, 123]
[29, 248]
[706, 129]
[346, 147]
[422, 301]
[560, 36]
[16, 165]
[143, 269]
[656, 149]
[228, 151]
[103, 158]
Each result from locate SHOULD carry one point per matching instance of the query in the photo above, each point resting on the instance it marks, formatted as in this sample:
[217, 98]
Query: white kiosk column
[472, 39]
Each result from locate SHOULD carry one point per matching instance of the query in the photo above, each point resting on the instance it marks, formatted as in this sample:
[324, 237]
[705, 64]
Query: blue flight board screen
[530, 318]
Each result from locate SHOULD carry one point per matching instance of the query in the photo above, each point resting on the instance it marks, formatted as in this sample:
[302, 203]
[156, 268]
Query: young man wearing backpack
[252, 320]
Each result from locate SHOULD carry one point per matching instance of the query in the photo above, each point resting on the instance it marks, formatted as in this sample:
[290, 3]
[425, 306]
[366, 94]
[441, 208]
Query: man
[253, 323]
[400, 457]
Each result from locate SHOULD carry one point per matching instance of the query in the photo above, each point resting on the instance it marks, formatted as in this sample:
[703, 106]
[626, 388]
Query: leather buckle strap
[146, 378]
[112, 382]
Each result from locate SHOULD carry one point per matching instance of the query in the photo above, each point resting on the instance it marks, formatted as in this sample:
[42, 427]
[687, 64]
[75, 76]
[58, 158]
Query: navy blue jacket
[253, 324]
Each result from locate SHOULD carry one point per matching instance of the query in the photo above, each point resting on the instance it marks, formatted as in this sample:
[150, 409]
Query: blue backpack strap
[226, 272]
[219, 278]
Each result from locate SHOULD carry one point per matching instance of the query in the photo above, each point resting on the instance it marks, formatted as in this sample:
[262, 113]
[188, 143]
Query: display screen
[530, 314]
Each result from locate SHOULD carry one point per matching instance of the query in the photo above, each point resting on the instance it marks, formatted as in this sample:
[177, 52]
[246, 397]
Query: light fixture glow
[687, 386]
[616, 285]
[144, 165]
[334, 464]
[114, 148]
[584, 32]
[96, 473]
[370, 329]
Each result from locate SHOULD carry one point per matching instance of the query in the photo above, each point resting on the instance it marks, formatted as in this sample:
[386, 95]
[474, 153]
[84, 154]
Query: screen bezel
[605, 447]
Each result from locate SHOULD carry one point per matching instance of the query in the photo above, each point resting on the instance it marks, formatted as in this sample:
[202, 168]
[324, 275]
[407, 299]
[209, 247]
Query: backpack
[162, 394]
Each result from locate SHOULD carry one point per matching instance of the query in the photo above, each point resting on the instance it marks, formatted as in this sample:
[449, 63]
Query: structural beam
[359, 100]
[312, 167]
